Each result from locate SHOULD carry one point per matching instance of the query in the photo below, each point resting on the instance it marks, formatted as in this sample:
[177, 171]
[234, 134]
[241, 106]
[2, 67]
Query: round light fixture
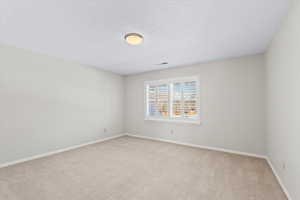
[134, 38]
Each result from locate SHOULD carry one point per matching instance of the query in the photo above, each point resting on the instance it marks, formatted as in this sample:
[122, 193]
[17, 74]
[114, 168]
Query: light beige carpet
[129, 168]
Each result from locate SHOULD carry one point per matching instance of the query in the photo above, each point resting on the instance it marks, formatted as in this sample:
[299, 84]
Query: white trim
[170, 82]
[58, 151]
[174, 120]
[199, 146]
[279, 179]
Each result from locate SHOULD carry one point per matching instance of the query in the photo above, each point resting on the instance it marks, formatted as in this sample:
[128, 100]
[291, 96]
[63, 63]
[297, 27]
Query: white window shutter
[158, 100]
[176, 99]
[189, 96]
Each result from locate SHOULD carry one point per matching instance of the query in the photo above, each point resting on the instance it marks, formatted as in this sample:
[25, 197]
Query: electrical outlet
[105, 130]
[172, 131]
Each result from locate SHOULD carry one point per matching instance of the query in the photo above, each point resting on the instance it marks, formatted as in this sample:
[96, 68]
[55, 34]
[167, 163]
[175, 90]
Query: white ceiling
[175, 31]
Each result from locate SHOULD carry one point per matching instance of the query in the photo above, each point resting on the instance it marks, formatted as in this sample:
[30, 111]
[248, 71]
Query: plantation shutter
[158, 101]
[176, 99]
[151, 101]
[184, 100]
[189, 96]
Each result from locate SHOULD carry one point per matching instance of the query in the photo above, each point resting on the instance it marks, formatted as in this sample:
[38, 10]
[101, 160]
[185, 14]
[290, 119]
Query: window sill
[197, 122]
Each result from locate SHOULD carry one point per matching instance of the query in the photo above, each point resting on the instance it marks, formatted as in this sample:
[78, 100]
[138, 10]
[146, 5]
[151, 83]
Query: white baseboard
[222, 150]
[157, 139]
[200, 146]
[58, 151]
[279, 179]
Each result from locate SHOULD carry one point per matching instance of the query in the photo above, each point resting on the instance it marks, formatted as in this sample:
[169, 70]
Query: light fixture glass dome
[134, 38]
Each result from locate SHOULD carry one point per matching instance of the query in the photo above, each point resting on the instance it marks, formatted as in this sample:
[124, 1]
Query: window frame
[170, 82]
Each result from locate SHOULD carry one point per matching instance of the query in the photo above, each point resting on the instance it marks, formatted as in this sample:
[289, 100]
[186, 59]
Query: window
[172, 100]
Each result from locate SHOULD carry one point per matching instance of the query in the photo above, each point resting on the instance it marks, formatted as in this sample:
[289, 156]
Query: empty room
[150, 100]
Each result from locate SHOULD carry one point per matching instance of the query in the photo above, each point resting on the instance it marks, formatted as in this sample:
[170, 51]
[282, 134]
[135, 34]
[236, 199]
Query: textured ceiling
[175, 31]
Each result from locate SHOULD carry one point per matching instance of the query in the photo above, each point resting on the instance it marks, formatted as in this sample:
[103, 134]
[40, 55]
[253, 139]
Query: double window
[172, 100]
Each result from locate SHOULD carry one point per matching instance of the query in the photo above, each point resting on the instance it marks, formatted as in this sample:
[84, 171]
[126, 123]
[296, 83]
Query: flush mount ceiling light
[134, 38]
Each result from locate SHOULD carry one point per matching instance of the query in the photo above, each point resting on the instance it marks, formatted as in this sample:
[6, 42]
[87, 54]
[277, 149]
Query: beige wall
[232, 105]
[48, 104]
[283, 102]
